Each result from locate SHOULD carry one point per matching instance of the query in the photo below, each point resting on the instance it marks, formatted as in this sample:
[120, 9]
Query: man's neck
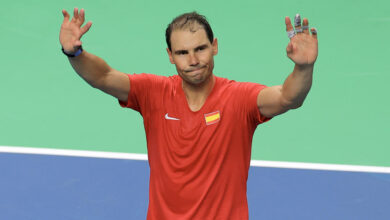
[197, 95]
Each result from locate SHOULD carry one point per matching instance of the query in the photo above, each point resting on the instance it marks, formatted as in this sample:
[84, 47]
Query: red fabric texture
[198, 170]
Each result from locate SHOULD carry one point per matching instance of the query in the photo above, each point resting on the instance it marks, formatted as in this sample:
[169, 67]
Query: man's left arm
[302, 50]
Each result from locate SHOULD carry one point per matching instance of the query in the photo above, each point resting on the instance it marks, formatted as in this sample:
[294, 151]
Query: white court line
[73, 153]
[131, 156]
[320, 166]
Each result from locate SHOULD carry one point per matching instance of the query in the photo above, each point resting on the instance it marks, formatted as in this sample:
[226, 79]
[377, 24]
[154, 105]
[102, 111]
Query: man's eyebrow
[181, 51]
[203, 46]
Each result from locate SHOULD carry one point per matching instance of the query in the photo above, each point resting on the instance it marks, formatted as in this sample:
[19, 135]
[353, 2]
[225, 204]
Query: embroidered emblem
[212, 118]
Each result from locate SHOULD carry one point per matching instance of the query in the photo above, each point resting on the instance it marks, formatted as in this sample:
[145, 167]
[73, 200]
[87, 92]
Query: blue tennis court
[66, 187]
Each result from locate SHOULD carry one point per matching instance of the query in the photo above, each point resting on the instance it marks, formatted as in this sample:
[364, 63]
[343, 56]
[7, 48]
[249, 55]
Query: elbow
[288, 104]
[296, 105]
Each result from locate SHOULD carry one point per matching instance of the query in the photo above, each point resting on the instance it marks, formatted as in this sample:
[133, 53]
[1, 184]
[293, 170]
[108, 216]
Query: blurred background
[344, 120]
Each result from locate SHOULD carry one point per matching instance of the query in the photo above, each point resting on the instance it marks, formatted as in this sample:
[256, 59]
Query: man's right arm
[97, 73]
[94, 70]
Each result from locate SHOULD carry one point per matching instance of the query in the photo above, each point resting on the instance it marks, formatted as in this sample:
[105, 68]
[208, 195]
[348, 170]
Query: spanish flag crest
[212, 118]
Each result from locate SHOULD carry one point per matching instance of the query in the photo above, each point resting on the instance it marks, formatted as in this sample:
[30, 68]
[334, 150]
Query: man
[199, 127]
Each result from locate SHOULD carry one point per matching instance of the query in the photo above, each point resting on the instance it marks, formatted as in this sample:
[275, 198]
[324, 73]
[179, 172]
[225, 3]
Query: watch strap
[78, 52]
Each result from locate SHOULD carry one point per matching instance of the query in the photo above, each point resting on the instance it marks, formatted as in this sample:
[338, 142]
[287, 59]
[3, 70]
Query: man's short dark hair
[188, 21]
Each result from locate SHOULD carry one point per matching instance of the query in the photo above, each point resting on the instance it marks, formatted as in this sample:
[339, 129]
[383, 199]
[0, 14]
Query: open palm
[71, 31]
[303, 47]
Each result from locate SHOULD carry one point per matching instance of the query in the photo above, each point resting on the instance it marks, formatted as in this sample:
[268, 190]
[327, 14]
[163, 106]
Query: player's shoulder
[166, 79]
[147, 76]
[228, 85]
[225, 82]
[152, 78]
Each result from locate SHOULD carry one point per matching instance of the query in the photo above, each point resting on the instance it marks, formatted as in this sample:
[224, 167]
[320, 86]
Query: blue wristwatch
[78, 52]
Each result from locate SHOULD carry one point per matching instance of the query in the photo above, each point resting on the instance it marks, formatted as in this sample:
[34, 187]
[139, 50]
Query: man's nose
[193, 59]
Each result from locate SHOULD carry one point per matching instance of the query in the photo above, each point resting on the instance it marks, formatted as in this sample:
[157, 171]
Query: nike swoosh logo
[170, 118]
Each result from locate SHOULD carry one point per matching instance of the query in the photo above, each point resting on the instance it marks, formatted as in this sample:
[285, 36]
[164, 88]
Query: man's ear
[215, 46]
[170, 56]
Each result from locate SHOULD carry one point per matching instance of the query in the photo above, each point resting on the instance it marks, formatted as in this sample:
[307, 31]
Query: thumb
[289, 48]
[78, 43]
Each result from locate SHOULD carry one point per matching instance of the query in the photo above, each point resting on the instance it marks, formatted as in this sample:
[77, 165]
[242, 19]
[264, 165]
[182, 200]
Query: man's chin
[196, 80]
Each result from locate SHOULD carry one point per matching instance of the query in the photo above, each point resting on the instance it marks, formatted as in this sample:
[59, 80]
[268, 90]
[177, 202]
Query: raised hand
[303, 46]
[71, 31]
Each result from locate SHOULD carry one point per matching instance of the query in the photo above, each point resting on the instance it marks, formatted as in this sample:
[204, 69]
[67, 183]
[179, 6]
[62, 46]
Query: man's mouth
[195, 69]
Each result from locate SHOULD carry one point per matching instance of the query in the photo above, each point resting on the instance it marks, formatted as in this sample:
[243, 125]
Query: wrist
[304, 67]
[72, 54]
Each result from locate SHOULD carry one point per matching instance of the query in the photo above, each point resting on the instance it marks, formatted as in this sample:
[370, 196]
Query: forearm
[297, 85]
[91, 68]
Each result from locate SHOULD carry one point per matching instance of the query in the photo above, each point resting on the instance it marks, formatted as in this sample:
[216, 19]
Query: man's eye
[201, 48]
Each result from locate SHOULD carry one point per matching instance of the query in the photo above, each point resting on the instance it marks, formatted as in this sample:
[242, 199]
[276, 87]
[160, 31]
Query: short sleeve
[141, 89]
[249, 93]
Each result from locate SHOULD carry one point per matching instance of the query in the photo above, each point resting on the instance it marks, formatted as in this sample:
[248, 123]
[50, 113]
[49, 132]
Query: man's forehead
[184, 39]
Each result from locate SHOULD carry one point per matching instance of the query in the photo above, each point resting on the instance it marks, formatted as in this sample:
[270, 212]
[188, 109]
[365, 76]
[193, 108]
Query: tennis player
[199, 126]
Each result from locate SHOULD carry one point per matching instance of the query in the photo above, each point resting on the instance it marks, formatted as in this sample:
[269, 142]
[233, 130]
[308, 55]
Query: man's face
[193, 55]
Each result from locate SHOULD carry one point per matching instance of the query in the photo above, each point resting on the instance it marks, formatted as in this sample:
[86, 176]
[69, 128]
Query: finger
[76, 13]
[289, 28]
[66, 15]
[305, 26]
[314, 32]
[298, 23]
[77, 44]
[86, 28]
[81, 19]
